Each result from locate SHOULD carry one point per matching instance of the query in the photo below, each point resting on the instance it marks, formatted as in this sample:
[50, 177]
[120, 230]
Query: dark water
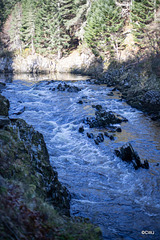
[125, 203]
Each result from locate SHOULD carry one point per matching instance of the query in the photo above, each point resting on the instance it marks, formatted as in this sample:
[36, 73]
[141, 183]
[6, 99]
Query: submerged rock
[110, 94]
[145, 164]
[96, 141]
[105, 118]
[19, 110]
[128, 154]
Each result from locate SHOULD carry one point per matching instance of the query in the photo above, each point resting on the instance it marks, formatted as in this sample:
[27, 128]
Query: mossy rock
[4, 106]
[24, 157]
[31, 193]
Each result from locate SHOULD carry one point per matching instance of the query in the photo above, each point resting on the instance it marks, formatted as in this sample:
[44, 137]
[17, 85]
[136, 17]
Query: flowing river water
[122, 201]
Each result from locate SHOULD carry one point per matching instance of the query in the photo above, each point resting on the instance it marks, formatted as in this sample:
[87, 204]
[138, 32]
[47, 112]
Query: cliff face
[30, 191]
[24, 157]
[78, 62]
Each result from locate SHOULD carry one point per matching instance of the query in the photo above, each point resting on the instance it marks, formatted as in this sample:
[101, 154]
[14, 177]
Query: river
[124, 202]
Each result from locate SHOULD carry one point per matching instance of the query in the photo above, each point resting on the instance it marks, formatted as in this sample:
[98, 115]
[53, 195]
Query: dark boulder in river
[90, 135]
[128, 154]
[66, 87]
[81, 129]
[104, 119]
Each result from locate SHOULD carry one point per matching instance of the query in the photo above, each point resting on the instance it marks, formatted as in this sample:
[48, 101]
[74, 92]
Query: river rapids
[122, 201]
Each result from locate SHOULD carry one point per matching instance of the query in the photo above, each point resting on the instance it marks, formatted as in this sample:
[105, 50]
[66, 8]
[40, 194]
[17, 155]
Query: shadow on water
[6, 77]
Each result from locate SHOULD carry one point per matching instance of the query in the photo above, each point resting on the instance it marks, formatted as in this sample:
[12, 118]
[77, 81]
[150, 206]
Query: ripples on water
[122, 201]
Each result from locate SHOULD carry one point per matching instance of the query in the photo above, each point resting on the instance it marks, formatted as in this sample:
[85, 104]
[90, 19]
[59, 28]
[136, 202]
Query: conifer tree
[52, 33]
[15, 27]
[143, 13]
[28, 24]
[5, 9]
[1, 14]
[103, 26]
[61, 35]
[45, 10]
[77, 22]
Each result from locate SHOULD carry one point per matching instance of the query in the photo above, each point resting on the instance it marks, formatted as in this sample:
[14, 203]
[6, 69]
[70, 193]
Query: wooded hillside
[55, 28]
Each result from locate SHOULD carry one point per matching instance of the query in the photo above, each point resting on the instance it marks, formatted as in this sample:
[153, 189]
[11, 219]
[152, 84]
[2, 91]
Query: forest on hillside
[56, 27]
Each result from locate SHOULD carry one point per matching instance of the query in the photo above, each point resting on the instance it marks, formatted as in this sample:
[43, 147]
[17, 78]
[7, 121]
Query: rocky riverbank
[33, 201]
[139, 84]
[81, 61]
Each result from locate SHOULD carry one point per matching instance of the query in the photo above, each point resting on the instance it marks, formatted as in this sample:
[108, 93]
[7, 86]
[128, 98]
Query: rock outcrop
[138, 82]
[26, 154]
[66, 87]
[104, 118]
[151, 100]
[24, 157]
[33, 64]
[128, 154]
[6, 64]
[4, 106]
[31, 194]
[2, 86]
[79, 61]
